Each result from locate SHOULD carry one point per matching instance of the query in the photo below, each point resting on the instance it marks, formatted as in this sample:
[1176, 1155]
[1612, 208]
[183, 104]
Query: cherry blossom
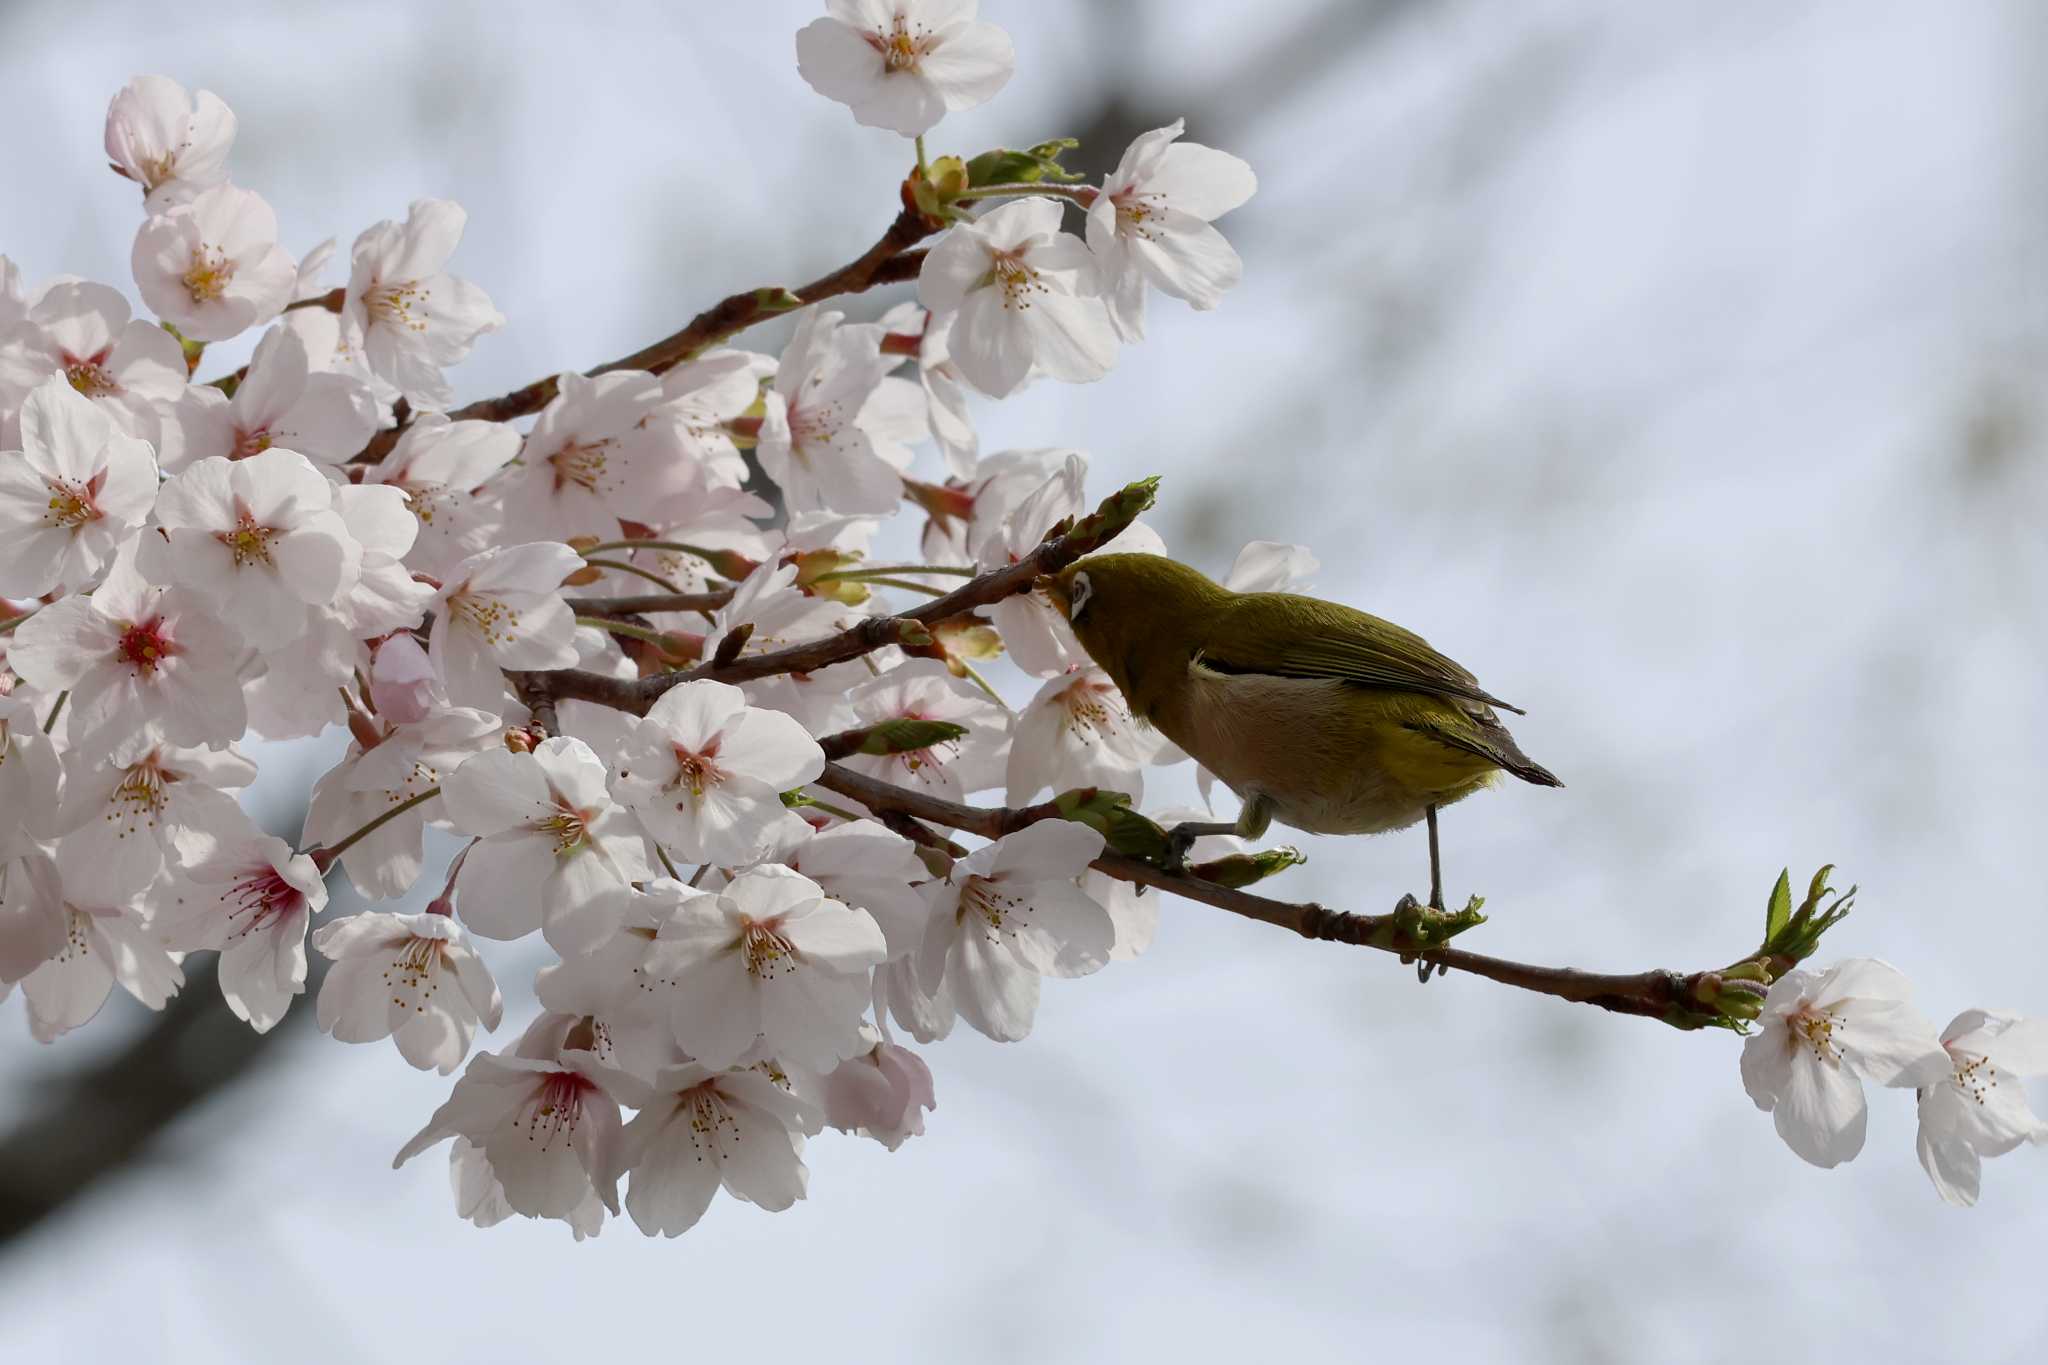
[548, 1127]
[577, 472]
[407, 761]
[1149, 224]
[212, 264]
[416, 979]
[699, 399]
[480, 1199]
[499, 609]
[1979, 1108]
[282, 401]
[882, 1093]
[143, 807]
[767, 962]
[414, 317]
[1025, 295]
[84, 332]
[250, 899]
[870, 868]
[32, 920]
[945, 392]
[440, 465]
[703, 1129]
[903, 64]
[258, 538]
[103, 946]
[1006, 915]
[922, 689]
[73, 495]
[705, 772]
[1079, 732]
[556, 854]
[170, 143]
[1821, 1035]
[838, 428]
[30, 774]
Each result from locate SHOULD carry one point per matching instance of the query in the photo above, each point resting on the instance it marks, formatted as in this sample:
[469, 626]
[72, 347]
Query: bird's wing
[1311, 638]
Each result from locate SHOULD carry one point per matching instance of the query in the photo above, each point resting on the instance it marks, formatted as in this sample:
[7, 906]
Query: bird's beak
[1053, 591]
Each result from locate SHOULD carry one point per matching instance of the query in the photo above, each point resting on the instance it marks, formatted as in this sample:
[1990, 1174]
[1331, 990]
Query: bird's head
[1126, 607]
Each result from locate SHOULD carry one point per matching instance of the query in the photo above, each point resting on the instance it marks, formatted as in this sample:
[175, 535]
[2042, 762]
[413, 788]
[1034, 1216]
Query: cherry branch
[889, 261]
[876, 632]
[1676, 998]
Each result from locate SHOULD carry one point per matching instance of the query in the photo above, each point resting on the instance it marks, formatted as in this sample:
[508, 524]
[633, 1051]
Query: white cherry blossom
[499, 609]
[284, 401]
[30, 776]
[212, 265]
[556, 854]
[77, 490]
[1079, 732]
[1009, 913]
[903, 64]
[84, 332]
[861, 864]
[1149, 224]
[838, 429]
[32, 920]
[416, 979]
[1979, 1108]
[407, 761]
[440, 465]
[922, 689]
[104, 946]
[577, 472]
[171, 143]
[128, 815]
[705, 772]
[415, 318]
[259, 539]
[1024, 298]
[702, 1129]
[250, 899]
[769, 962]
[1821, 1035]
[881, 1093]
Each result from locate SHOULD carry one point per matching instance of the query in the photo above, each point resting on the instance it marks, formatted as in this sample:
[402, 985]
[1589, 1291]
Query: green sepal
[1109, 814]
[906, 735]
[934, 192]
[1003, 166]
[1798, 936]
[1780, 908]
[1239, 870]
[193, 349]
[775, 299]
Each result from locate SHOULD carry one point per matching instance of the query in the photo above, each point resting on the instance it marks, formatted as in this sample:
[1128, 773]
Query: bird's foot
[1182, 837]
[1431, 926]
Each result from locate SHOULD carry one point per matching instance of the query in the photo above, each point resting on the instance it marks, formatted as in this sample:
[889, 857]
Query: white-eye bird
[1315, 714]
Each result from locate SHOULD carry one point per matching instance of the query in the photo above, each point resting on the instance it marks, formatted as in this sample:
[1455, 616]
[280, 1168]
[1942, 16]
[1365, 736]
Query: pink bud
[403, 683]
[882, 1094]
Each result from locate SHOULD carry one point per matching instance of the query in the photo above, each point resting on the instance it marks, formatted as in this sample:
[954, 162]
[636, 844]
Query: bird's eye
[1078, 593]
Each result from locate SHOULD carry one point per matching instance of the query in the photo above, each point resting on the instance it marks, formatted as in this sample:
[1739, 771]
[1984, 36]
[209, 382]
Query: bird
[1317, 715]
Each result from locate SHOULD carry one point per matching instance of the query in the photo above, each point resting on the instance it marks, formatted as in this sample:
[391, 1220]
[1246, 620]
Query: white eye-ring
[1078, 593]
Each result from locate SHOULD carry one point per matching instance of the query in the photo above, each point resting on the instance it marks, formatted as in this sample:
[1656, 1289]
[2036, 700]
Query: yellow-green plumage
[1339, 722]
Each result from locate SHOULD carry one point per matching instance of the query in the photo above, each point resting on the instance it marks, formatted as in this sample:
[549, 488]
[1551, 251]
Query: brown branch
[644, 603]
[889, 261]
[1672, 997]
[876, 632]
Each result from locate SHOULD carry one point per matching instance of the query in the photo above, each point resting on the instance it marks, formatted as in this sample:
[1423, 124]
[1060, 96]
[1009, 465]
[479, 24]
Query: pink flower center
[1817, 1027]
[248, 542]
[903, 46]
[261, 900]
[249, 443]
[393, 304]
[569, 828]
[209, 275]
[580, 464]
[144, 646]
[139, 799]
[551, 1116]
[767, 952]
[985, 897]
[698, 771]
[489, 617]
[72, 505]
[89, 374]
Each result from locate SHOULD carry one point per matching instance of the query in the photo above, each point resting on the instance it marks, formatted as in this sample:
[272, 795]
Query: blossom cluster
[192, 571]
[737, 957]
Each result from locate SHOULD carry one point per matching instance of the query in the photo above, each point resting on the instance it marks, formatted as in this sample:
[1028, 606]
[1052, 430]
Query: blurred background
[1676, 367]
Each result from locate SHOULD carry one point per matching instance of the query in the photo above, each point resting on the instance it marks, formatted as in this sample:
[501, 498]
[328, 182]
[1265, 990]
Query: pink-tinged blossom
[698, 399]
[30, 775]
[904, 64]
[768, 964]
[440, 465]
[77, 490]
[838, 430]
[171, 143]
[407, 761]
[282, 401]
[1150, 225]
[1024, 298]
[1821, 1035]
[136, 657]
[861, 864]
[577, 472]
[1006, 915]
[945, 392]
[259, 539]
[415, 318]
[84, 332]
[503, 609]
[250, 899]
[549, 1128]
[556, 854]
[32, 923]
[404, 687]
[416, 979]
[385, 596]
[703, 1129]
[212, 266]
[127, 816]
[1079, 732]
[922, 689]
[705, 772]
[1979, 1108]
[104, 946]
[480, 1199]
[881, 1093]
